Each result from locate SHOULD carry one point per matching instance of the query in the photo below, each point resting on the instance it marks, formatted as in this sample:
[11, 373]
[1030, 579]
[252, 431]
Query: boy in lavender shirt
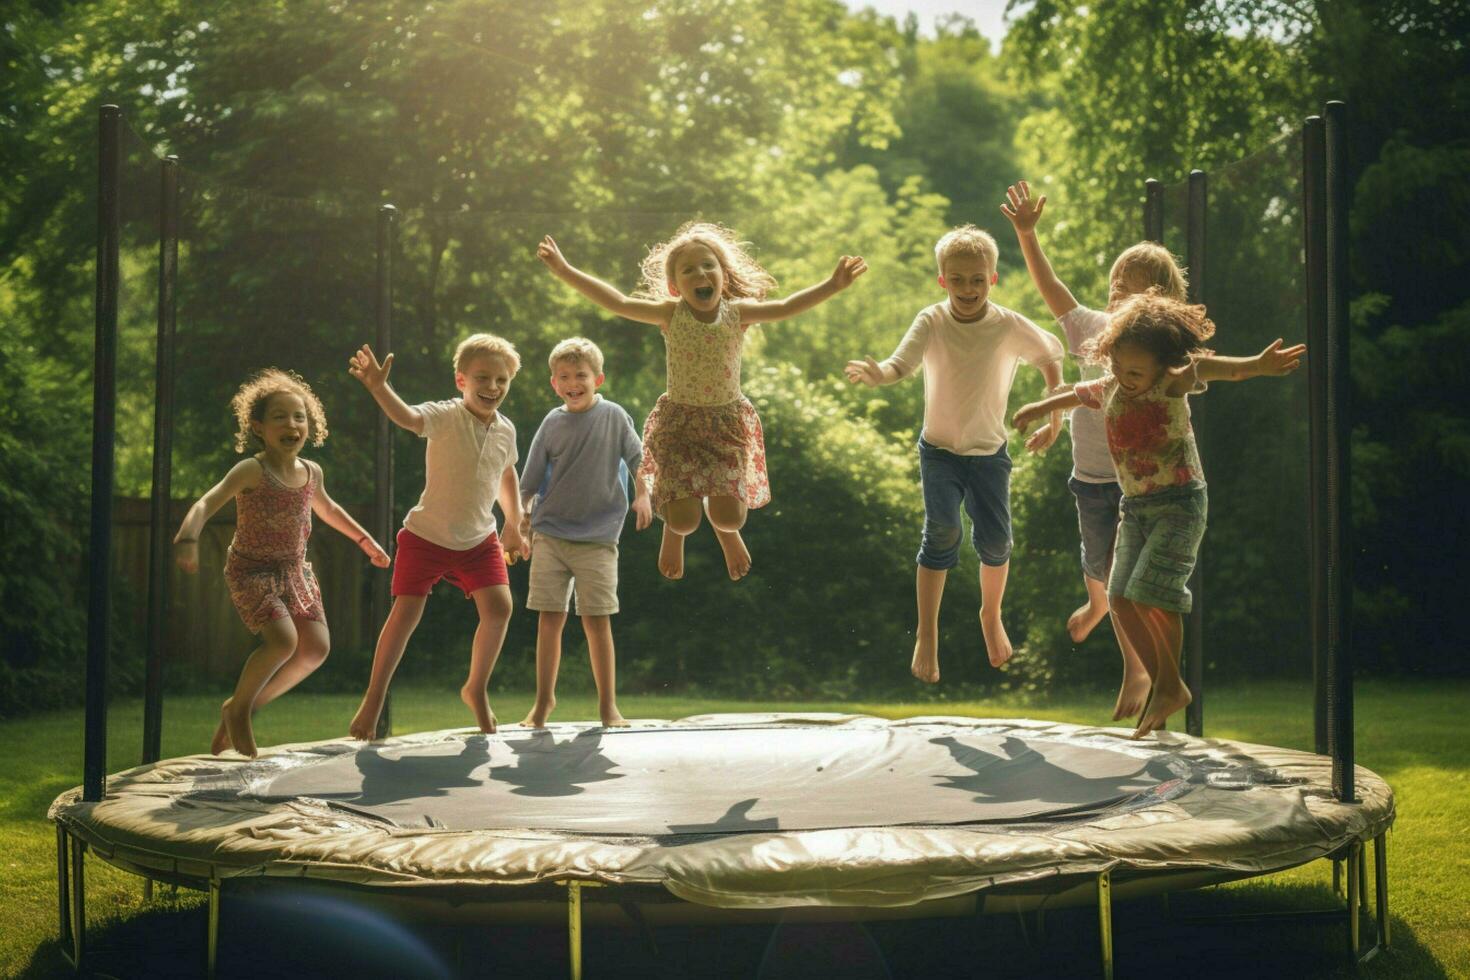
[575, 504]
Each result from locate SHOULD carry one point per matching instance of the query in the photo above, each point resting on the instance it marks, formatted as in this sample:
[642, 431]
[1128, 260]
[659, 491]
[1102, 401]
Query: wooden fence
[204, 635]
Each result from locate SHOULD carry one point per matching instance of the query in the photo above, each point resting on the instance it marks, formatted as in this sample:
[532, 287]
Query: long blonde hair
[744, 277]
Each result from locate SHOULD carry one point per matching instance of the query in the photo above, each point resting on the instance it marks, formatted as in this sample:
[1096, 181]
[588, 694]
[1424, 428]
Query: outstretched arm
[1042, 439]
[1024, 213]
[604, 295]
[332, 515]
[1057, 403]
[1274, 361]
[364, 366]
[849, 267]
[244, 475]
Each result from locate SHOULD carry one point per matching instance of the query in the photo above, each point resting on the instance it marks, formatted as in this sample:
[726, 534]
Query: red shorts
[418, 565]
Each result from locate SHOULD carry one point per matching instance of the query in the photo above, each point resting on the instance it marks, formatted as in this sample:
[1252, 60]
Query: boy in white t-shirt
[969, 348]
[451, 533]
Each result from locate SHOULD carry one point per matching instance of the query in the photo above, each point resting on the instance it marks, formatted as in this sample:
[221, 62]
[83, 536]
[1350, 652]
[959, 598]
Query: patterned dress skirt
[264, 591]
[704, 451]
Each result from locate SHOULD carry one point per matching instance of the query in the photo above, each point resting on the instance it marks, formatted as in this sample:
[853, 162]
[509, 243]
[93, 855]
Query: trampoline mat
[710, 780]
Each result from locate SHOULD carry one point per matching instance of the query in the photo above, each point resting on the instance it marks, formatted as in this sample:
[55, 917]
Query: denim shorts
[1158, 541]
[982, 485]
[1097, 523]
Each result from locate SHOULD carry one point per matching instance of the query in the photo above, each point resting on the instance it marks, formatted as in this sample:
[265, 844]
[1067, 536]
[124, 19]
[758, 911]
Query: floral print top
[1149, 436]
[703, 359]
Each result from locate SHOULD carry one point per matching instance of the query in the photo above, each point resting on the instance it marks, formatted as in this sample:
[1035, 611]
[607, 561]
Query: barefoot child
[1094, 482]
[969, 348]
[469, 463]
[573, 491]
[270, 580]
[1155, 349]
[702, 443]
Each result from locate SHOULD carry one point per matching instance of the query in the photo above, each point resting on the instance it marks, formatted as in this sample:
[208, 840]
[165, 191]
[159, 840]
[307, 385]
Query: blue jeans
[1097, 523]
[982, 484]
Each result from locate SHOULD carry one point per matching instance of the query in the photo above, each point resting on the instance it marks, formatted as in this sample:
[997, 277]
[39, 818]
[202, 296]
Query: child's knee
[682, 516]
[495, 604]
[726, 513]
[940, 545]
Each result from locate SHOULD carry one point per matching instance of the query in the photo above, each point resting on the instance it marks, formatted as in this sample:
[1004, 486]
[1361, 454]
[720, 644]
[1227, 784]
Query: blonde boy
[451, 532]
[969, 348]
[575, 505]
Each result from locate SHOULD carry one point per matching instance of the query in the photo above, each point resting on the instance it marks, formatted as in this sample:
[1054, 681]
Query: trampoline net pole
[1194, 651]
[383, 446]
[1314, 203]
[1153, 210]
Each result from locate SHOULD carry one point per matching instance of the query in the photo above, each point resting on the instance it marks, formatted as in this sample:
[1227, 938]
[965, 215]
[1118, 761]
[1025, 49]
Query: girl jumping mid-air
[1155, 351]
[702, 445]
[270, 580]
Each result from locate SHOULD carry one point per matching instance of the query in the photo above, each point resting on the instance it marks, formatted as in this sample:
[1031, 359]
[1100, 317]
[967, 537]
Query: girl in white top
[703, 449]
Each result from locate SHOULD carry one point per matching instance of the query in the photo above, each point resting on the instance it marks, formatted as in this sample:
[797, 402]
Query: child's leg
[992, 593]
[278, 641]
[494, 605]
[987, 481]
[548, 662]
[1170, 694]
[403, 618]
[604, 668]
[727, 517]
[1097, 529]
[313, 641]
[681, 517]
[929, 590]
[1133, 693]
[1086, 616]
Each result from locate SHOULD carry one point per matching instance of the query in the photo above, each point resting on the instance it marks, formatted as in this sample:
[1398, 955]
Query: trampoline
[719, 817]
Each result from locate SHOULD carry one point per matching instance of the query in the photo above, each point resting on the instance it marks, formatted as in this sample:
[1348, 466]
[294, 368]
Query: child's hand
[866, 371]
[849, 267]
[186, 554]
[548, 252]
[1275, 360]
[1021, 208]
[515, 546]
[1041, 440]
[1025, 415]
[642, 512]
[374, 551]
[364, 366]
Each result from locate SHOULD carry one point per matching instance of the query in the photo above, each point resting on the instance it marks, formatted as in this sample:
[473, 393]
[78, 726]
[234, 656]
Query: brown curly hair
[744, 277]
[250, 401]
[1171, 331]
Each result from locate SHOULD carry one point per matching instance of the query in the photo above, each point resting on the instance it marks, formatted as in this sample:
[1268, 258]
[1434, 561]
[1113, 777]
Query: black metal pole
[1314, 222]
[159, 526]
[104, 405]
[1153, 210]
[1194, 645]
[383, 462]
[1339, 463]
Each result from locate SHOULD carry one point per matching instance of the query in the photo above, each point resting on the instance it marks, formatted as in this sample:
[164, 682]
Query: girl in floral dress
[270, 580]
[1155, 350]
[703, 451]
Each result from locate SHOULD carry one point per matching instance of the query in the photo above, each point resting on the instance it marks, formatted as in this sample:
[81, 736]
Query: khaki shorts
[556, 564]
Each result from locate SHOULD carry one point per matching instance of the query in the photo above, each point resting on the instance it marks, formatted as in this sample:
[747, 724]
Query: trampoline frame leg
[1354, 862]
[1380, 886]
[574, 923]
[71, 897]
[1105, 921]
[211, 940]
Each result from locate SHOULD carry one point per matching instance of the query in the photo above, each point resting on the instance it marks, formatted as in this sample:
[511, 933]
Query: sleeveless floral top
[1149, 435]
[703, 359]
[273, 520]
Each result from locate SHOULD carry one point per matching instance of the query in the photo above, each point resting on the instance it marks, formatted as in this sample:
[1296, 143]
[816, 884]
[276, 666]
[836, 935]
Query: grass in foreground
[1411, 734]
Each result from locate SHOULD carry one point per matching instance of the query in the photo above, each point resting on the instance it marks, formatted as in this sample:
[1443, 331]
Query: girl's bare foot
[671, 555]
[737, 556]
[221, 740]
[237, 725]
[1163, 704]
[479, 703]
[997, 643]
[612, 717]
[1132, 696]
[925, 665]
[364, 725]
[539, 713]
[1083, 619]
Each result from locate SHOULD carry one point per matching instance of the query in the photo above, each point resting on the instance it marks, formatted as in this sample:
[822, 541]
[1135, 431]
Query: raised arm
[907, 356]
[332, 515]
[608, 297]
[244, 475]
[1024, 212]
[364, 366]
[849, 267]
[1274, 361]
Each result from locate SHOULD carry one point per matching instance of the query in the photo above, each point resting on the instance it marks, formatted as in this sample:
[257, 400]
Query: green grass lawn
[1413, 735]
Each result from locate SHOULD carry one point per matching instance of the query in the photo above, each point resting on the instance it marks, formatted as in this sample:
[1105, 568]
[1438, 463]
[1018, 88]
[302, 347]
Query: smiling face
[284, 424]
[697, 275]
[485, 382]
[967, 279]
[576, 383]
[1136, 369]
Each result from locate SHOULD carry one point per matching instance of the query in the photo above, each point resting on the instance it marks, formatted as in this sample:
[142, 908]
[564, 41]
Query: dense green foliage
[815, 132]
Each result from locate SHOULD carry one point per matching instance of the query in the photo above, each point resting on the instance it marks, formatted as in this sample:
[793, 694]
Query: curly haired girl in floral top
[1155, 350]
[270, 580]
[702, 444]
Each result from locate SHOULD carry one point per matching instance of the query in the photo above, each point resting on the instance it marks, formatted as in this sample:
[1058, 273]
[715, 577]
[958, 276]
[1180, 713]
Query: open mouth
[705, 293]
